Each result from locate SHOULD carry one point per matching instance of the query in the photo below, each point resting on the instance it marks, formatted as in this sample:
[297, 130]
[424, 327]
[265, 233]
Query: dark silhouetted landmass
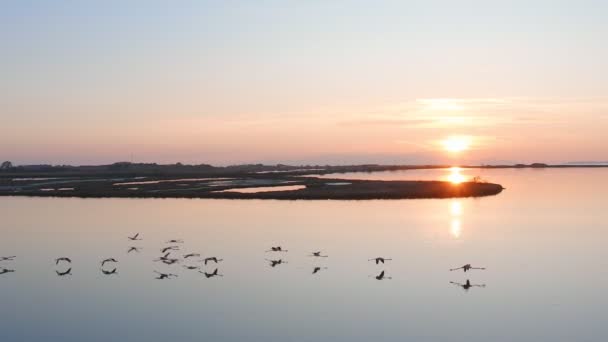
[127, 180]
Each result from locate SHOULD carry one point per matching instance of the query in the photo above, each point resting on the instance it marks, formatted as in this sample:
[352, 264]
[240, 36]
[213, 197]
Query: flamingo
[170, 248]
[214, 259]
[134, 237]
[467, 267]
[379, 260]
[62, 259]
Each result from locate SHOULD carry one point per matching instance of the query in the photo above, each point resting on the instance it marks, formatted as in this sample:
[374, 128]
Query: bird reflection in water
[211, 275]
[6, 270]
[276, 249]
[109, 272]
[165, 275]
[381, 276]
[467, 285]
[318, 269]
[65, 273]
[275, 263]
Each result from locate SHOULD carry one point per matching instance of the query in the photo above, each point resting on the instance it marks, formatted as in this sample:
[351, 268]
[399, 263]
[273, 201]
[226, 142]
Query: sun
[456, 143]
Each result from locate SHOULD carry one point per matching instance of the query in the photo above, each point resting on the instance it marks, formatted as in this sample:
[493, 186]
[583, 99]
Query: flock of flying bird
[166, 258]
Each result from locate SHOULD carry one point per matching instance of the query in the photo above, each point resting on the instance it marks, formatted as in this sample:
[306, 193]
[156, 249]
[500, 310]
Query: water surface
[543, 241]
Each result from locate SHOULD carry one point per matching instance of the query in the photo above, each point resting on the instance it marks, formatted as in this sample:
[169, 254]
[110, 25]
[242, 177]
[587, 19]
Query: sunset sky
[336, 82]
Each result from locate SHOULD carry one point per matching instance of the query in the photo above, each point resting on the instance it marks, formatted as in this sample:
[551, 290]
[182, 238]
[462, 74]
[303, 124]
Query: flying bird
[466, 286]
[68, 272]
[165, 275]
[170, 248]
[214, 259]
[318, 254]
[103, 262]
[133, 249]
[134, 237]
[164, 257]
[191, 255]
[176, 241]
[62, 259]
[379, 260]
[191, 267]
[467, 267]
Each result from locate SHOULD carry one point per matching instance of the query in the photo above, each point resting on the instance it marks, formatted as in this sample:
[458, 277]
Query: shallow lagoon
[543, 240]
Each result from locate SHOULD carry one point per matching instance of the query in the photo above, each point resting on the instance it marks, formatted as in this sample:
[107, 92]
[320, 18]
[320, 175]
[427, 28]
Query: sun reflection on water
[455, 176]
[455, 228]
[456, 213]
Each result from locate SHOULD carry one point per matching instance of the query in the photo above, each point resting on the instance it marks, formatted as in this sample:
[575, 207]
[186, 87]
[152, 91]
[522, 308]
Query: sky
[303, 82]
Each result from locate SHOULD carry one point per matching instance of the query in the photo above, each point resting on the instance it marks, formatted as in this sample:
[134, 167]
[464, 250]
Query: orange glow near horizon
[456, 144]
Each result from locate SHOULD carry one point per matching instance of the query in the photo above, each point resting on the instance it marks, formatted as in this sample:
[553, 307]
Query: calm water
[543, 241]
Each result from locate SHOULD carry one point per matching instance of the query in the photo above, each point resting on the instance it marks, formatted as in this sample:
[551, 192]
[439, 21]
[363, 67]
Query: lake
[543, 241]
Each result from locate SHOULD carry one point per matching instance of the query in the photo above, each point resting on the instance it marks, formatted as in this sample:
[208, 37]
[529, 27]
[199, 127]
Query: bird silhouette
[467, 285]
[191, 255]
[165, 275]
[170, 248]
[8, 258]
[133, 249]
[317, 269]
[379, 260]
[191, 267]
[214, 259]
[134, 237]
[103, 262]
[65, 273]
[318, 254]
[176, 241]
[467, 267]
[62, 259]
[211, 275]
[382, 277]
[164, 257]
[276, 249]
[170, 261]
[274, 263]
[6, 270]
[107, 272]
